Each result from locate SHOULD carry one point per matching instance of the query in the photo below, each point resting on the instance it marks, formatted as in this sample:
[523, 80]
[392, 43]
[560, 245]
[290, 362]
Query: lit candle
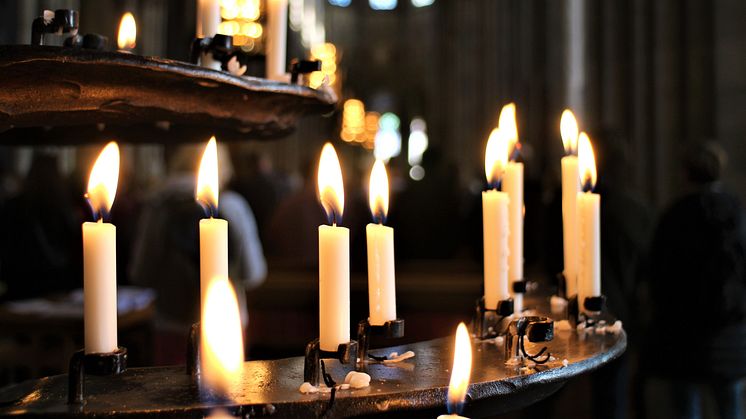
[381, 283]
[570, 188]
[213, 232]
[221, 340]
[334, 256]
[495, 206]
[127, 36]
[100, 256]
[589, 224]
[277, 16]
[208, 18]
[460, 374]
[513, 185]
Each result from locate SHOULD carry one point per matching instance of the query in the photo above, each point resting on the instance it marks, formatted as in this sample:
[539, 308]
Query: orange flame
[495, 156]
[331, 187]
[569, 132]
[378, 194]
[586, 163]
[207, 192]
[127, 32]
[508, 125]
[102, 183]
[461, 372]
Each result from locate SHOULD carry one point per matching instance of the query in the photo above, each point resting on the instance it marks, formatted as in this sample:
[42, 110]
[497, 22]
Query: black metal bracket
[392, 329]
[220, 46]
[92, 41]
[56, 22]
[519, 286]
[82, 364]
[193, 351]
[537, 329]
[489, 323]
[298, 67]
[346, 353]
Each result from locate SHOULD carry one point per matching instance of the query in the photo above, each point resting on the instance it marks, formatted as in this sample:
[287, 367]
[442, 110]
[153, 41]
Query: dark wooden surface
[54, 95]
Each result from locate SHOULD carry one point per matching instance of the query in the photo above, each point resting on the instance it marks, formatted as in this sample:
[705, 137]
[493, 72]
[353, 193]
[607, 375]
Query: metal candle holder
[298, 67]
[595, 308]
[346, 353]
[82, 364]
[220, 46]
[490, 323]
[392, 329]
[193, 351]
[56, 22]
[537, 329]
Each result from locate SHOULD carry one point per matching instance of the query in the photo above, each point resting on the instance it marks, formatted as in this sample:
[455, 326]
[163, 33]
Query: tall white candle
[208, 18]
[570, 188]
[213, 232]
[513, 185]
[277, 17]
[334, 256]
[99, 256]
[589, 220]
[380, 238]
[495, 226]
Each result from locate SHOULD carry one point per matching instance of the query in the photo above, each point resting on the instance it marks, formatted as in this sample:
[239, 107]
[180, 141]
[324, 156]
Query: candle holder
[298, 67]
[193, 352]
[346, 353]
[537, 329]
[392, 329]
[220, 47]
[490, 323]
[82, 364]
[92, 41]
[55, 22]
[594, 309]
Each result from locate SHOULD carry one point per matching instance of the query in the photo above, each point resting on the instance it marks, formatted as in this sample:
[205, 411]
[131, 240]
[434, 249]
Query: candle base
[82, 364]
[346, 353]
[219, 46]
[594, 309]
[489, 323]
[193, 352]
[537, 329]
[392, 329]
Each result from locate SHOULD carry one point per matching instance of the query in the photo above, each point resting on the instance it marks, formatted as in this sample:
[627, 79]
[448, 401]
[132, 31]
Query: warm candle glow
[495, 157]
[102, 183]
[461, 371]
[509, 127]
[127, 32]
[207, 180]
[378, 194]
[586, 163]
[331, 187]
[569, 132]
[221, 337]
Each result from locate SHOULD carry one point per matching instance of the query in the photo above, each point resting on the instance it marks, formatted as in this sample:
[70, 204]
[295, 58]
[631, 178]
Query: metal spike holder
[220, 46]
[82, 364]
[392, 329]
[346, 353]
[490, 323]
[537, 329]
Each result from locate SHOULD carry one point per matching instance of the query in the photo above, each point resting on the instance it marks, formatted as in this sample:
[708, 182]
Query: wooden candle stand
[82, 364]
[490, 323]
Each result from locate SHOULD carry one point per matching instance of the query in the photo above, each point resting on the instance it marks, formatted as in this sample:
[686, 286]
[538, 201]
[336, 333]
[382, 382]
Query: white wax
[277, 17]
[213, 252]
[495, 231]
[452, 417]
[208, 18]
[570, 188]
[100, 287]
[334, 287]
[513, 185]
[381, 283]
[589, 227]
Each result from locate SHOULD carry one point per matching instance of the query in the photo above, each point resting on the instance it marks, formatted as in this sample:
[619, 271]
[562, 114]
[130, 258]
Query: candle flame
[586, 163]
[127, 32]
[461, 371]
[331, 187]
[102, 183]
[221, 337]
[495, 157]
[569, 132]
[508, 125]
[207, 179]
[378, 194]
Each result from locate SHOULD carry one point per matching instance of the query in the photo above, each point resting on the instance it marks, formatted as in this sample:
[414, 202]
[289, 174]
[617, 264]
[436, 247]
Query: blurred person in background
[698, 289]
[166, 251]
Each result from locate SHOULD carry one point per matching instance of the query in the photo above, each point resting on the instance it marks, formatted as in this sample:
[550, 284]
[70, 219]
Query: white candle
[334, 256]
[495, 226]
[570, 188]
[277, 16]
[380, 238]
[589, 224]
[99, 256]
[213, 232]
[513, 185]
[208, 18]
